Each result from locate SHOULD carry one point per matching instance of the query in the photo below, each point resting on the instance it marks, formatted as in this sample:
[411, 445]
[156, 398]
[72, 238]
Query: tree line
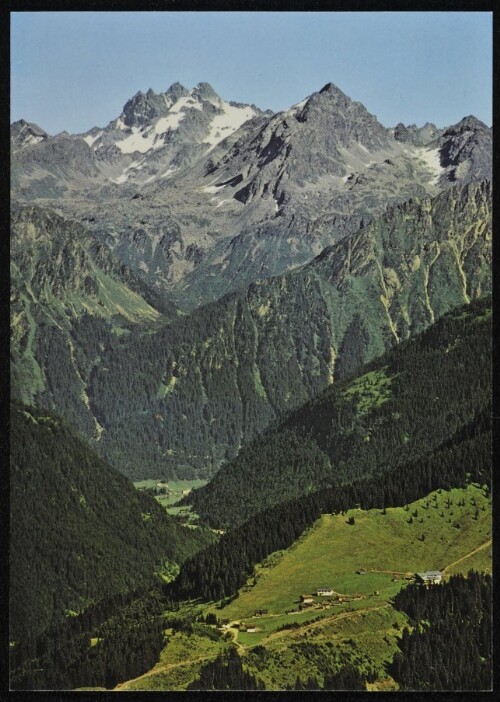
[218, 571]
[402, 406]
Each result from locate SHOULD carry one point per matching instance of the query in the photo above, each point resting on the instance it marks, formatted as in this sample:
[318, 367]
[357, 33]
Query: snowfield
[432, 160]
[225, 124]
[92, 139]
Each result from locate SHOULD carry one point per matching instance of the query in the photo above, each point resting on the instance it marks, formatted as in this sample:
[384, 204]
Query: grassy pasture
[176, 489]
[330, 553]
[366, 636]
[169, 502]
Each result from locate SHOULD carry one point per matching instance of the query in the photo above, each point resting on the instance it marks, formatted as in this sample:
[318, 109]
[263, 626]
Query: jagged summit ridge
[146, 107]
[158, 133]
[144, 110]
[201, 195]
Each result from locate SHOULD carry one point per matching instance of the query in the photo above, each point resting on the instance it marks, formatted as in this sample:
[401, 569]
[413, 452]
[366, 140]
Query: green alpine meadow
[251, 413]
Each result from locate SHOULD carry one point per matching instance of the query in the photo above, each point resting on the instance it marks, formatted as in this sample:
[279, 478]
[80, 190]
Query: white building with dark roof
[429, 577]
[324, 591]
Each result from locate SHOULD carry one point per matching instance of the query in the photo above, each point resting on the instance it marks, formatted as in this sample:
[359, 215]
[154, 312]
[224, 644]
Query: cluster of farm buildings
[428, 577]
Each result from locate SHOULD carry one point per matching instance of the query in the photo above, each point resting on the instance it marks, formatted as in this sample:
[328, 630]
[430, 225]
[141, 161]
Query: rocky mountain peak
[469, 123]
[402, 132]
[419, 136]
[204, 91]
[330, 109]
[142, 108]
[332, 89]
[176, 91]
[330, 95]
[25, 133]
[465, 149]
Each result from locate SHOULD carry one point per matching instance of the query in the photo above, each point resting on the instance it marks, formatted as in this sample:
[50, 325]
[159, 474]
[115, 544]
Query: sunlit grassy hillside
[448, 530]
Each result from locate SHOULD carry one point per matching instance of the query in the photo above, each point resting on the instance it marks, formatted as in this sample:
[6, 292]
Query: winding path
[321, 622]
[234, 632]
[161, 669]
[286, 632]
[467, 555]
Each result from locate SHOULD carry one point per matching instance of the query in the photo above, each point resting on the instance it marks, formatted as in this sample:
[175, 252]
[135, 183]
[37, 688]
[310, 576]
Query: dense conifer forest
[82, 537]
[458, 450]
[401, 407]
[116, 639]
[449, 646]
[106, 628]
[178, 395]
[226, 673]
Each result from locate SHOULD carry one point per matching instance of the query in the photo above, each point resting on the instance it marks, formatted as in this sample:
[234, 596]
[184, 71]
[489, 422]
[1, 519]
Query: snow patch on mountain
[432, 160]
[188, 102]
[135, 165]
[155, 176]
[176, 114]
[137, 141]
[295, 108]
[171, 170]
[300, 104]
[213, 188]
[92, 139]
[172, 121]
[228, 122]
[33, 140]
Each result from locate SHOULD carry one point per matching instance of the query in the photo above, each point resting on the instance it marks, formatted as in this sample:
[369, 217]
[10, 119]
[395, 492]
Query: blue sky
[72, 71]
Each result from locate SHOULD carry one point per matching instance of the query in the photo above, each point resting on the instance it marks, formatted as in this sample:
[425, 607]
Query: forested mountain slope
[401, 407]
[80, 533]
[65, 286]
[180, 400]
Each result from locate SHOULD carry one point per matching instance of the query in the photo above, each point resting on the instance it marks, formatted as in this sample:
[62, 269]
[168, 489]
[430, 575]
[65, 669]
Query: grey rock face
[204, 91]
[465, 151]
[24, 133]
[144, 107]
[419, 136]
[154, 136]
[251, 193]
[347, 121]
